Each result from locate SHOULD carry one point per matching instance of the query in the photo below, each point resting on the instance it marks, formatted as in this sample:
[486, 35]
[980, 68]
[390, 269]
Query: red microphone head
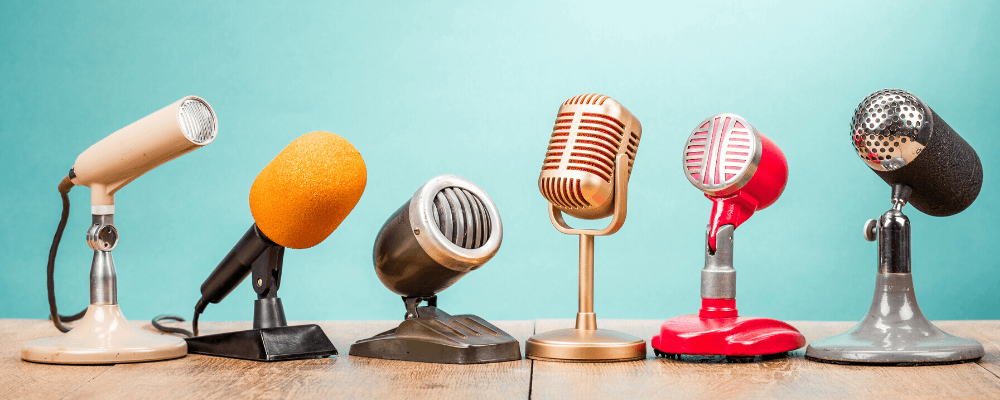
[578, 173]
[737, 167]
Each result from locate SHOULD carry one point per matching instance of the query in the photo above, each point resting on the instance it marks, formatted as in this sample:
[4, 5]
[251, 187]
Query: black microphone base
[436, 337]
[266, 344]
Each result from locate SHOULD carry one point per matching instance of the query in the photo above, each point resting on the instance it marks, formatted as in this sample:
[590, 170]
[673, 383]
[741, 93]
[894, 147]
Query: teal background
[472, 88]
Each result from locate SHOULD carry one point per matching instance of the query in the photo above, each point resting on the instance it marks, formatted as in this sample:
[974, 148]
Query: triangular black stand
[436, 337]
[266, 344]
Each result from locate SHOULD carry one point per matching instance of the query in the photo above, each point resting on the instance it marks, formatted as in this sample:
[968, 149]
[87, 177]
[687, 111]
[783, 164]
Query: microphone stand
[271, 339]
[586, 342]
[103, 335]
[894, 331]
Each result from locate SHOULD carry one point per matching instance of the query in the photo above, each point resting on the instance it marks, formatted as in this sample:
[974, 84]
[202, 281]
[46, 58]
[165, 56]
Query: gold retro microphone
[103, 335]
[585, 174]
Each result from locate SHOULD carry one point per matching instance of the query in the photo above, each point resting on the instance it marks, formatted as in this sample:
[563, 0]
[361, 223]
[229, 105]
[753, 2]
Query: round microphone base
[894, 332]
[580, 345]
[104, 336]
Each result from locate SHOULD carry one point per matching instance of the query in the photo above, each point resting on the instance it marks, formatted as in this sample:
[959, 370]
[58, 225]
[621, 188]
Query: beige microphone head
[116, 160]
[577, 176]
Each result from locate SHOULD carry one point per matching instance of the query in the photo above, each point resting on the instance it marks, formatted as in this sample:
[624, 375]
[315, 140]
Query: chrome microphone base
[585, 345]
[895, 332]
[104, 336]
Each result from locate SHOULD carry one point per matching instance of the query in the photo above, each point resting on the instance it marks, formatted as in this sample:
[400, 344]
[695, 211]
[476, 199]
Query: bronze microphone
[585, 174]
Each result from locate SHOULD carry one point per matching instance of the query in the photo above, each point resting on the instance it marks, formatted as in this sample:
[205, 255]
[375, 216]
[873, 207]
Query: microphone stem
[585, 318]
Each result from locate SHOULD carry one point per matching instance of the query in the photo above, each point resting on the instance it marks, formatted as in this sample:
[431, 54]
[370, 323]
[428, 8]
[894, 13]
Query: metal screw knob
[871, 230]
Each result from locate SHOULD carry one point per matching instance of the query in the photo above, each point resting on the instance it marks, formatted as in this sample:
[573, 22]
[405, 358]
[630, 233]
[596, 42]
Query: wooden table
[343, 376]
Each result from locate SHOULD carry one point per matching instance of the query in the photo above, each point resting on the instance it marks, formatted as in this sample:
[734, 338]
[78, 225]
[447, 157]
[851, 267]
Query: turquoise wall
[472, 88]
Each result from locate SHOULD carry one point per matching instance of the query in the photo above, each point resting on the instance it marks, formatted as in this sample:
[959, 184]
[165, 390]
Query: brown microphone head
[591, 130]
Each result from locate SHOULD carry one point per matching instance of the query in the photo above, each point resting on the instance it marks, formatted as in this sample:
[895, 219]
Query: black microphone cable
[198, 309]
[64, 187]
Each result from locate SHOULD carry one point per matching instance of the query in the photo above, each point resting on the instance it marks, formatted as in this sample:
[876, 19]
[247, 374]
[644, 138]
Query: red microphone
[737, 167]
[741, 171]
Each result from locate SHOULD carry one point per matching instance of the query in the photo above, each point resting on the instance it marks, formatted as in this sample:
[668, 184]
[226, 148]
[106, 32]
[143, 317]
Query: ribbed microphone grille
[597, 141]
[197, 121]
[565, 193]
[462, 217]
[718, 151]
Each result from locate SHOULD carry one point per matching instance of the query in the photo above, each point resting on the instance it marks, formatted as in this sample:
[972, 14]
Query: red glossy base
[718, 331]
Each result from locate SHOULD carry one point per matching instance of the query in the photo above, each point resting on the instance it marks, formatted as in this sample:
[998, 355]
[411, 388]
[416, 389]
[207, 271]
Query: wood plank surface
[343, 376]
[204, 377]
[792, 377]
[22, 379]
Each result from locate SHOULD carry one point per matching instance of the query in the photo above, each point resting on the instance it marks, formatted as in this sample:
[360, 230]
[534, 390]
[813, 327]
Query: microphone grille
[886, 127]
[197, 121]
[462, 217]
[720, 152]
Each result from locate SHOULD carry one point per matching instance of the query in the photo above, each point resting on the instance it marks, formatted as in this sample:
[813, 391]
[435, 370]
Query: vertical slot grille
[718, 152]
[462, 217]
[564, 192]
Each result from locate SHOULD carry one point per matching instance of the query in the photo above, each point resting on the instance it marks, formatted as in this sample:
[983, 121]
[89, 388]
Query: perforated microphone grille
[578, 171]
[885, 130]
[462, 217]
[720, 152]
[197, 121]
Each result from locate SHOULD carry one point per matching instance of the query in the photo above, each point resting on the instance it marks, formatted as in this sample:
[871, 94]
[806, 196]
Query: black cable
[167, 329]
[57, 320]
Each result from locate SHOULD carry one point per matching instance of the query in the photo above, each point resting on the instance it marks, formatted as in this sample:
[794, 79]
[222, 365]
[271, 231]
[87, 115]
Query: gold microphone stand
[586, 343]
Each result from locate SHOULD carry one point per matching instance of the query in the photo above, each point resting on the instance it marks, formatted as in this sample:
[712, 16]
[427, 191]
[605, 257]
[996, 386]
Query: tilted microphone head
[578, 173]
[118, 159]
[448, 228]
[904, 141]
[739, 168]
[304, 194]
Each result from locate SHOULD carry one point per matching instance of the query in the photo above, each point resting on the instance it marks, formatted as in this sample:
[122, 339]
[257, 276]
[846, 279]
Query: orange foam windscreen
[304, 194]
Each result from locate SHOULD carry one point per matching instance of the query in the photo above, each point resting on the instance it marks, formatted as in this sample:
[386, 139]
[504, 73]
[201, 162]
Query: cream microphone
[104, 335]
[585, 174]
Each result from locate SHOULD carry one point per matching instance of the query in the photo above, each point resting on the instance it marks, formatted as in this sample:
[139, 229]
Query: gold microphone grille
[462, 217]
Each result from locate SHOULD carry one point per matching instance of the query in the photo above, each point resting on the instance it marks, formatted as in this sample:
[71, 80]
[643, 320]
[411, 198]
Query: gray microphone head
[448, 228]
[905, 142]
[591, 130]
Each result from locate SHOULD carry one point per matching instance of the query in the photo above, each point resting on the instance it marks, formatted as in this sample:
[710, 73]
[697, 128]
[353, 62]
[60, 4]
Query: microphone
[585, 174]
[449, 228]
[297, 201]
[905, 142]
[741, 171]
[118, 159]
[590, 132]
[930, 166]
[736, 166]
[105, 168]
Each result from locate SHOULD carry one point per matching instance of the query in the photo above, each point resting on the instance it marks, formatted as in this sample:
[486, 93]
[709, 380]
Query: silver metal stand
[894, 331]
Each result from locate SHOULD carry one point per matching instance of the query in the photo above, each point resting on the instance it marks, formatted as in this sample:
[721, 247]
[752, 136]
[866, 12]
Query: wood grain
[986, 332]
[21, 379]
[204, 377]
[792, 377]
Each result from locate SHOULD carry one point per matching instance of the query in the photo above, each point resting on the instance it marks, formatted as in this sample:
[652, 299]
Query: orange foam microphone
[297, 201]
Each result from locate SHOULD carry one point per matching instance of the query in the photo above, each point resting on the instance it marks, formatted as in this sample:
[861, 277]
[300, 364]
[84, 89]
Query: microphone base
[266, 344]
[718, 332]
[894, 332]
[437, 337]
[585, 345]
[104, 336]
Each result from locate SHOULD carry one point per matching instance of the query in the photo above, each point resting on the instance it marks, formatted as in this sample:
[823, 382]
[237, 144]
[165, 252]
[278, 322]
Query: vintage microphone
[741, 171]
[929, 166]
[585, 174]
[449, 228]
[297, 201]
[104, 336]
